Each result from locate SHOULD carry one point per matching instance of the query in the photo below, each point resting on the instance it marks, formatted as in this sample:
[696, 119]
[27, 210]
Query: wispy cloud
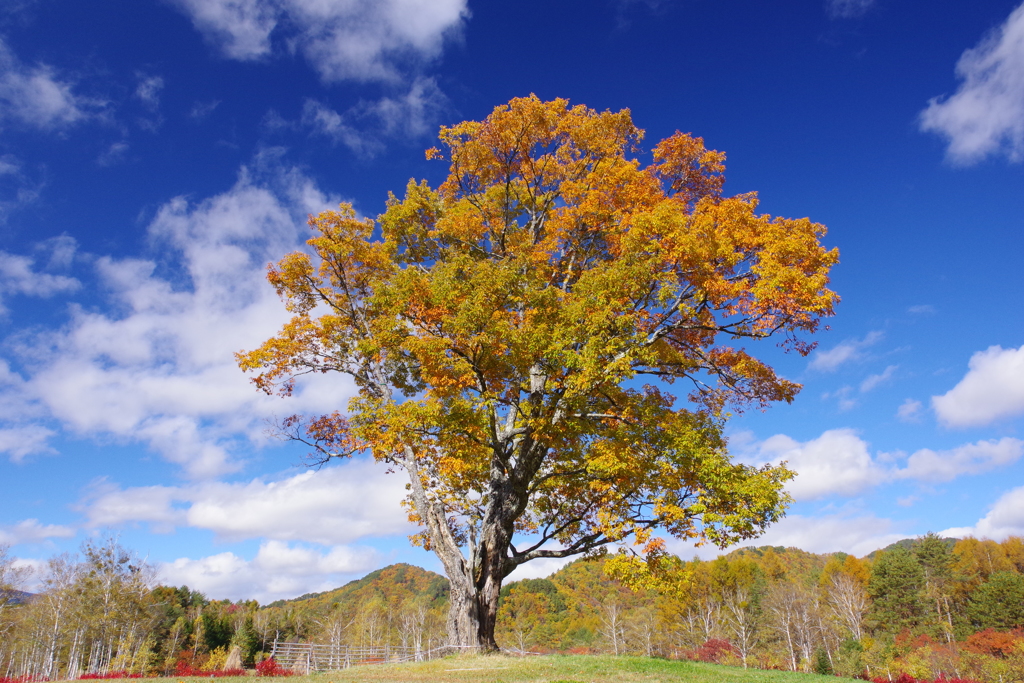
[148, 90]
[985, 116]
[31, 531]
[364, 127]
[872, 381]
[38, 97]
[909, 411]
[847, 9]
[201, 110]
[842, 353]
[17, 189]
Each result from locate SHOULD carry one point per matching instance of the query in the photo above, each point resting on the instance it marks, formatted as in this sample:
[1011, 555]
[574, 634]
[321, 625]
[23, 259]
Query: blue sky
[156, 155]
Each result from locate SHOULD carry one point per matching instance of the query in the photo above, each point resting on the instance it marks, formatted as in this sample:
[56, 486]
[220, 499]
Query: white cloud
[333, 505]
[539, 569]
[1004, 519]
[36, 96]
[16, 404]
[939, 466]
[31, 531]
[872, 381]
[986, 114]
[845, 352]
[279, 570]
[19, 276]
[60, 251]
[25, 440]
[240, 28]
[849, 532]
[909, 411]
[836, 463]
[363, 40]
[992, 389]
[847, 9]
[839, 463]
[857, 535]
[110, 506]
[157, 366]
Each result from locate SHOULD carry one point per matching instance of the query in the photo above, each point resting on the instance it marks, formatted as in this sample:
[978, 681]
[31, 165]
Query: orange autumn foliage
[514, 335]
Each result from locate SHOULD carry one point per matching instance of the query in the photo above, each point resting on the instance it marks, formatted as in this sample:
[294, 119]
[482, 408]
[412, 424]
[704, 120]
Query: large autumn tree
[516, 335]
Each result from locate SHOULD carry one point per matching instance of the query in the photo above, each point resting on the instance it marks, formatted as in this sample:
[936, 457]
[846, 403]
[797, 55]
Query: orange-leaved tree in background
[501, 327]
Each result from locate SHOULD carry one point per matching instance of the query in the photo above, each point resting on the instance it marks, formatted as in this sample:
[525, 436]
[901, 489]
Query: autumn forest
[927, 607]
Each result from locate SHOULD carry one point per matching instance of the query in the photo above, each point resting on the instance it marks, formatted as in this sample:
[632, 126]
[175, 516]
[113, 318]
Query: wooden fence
[308, 657]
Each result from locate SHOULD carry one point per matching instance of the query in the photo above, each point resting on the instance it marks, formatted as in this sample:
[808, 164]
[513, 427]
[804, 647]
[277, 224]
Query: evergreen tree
[998, 603]
[896, 587]
[935, 555]
[217, 630]
[821, 664]
[248, 641]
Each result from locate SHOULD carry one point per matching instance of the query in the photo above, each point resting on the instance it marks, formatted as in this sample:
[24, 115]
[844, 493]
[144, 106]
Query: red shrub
[714, 651]
[902, 678]
[183, 669]
[268, 667]
[907, 678]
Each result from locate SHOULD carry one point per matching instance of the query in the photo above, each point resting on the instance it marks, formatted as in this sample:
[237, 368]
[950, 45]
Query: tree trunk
[475, 584]
[472, 614]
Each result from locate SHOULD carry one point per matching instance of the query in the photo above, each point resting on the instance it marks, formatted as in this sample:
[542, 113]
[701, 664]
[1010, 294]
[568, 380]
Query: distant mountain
[393, 584]
[909, 544]
[400, 582]
[13, 597]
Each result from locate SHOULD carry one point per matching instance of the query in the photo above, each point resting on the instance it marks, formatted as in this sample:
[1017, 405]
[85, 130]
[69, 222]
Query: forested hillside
[925, 607]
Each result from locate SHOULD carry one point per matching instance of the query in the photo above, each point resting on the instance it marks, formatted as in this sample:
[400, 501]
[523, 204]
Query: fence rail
[309, 657]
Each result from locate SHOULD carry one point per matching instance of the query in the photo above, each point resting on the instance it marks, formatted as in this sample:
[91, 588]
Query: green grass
[543, 669]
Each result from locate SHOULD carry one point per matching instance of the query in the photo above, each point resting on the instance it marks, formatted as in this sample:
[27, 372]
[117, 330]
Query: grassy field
[546, 669]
